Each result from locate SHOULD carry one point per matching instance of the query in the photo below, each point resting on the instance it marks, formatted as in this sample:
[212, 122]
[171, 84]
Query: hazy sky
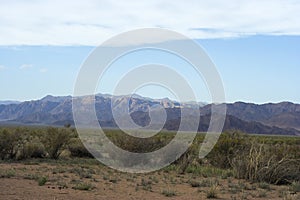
[254, 44]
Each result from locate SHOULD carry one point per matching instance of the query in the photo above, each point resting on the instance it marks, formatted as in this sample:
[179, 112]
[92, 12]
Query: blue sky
[254, 69]
[255, 45]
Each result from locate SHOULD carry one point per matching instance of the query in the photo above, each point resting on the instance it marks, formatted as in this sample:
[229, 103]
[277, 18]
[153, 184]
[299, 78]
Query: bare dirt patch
[86, 180]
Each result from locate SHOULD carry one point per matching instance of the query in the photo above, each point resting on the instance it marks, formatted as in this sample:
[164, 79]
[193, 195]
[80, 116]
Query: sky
[255, 45]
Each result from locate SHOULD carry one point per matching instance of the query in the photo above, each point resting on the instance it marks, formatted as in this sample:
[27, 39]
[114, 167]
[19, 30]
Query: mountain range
[272, 118]
[8, 102]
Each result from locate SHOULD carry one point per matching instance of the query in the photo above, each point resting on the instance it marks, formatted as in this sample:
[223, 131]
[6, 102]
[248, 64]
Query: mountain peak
[47, 97]
[55, 98]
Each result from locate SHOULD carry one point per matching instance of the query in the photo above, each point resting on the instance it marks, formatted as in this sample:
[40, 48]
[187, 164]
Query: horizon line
[152, 98]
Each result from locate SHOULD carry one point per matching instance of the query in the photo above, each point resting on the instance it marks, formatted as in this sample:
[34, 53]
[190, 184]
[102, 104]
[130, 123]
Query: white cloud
[2, 67]
[43, 70]
[91, 22]
[26, 66]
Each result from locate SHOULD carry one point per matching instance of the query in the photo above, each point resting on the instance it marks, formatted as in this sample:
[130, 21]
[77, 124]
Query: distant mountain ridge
[284, 114]
[9, 102]
[280, 118]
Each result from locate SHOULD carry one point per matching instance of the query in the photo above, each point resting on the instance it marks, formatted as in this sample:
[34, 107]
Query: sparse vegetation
[274, 164]
[42, 180]
[30, 176]
[212, 192]
[77, 149]
[169, 193]
[264, 185]
[145, 184]
[7, 173]
[241, 166]
[295, 186]
[258, 159]
[83, 186]
[194, 183]
[262, 194]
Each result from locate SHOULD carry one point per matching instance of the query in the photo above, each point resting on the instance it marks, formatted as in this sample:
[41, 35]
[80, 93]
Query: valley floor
[87, 179]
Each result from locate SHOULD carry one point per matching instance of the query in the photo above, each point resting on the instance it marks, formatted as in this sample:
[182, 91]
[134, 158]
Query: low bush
[33, 149]
[55, 141]
[77, 149]
[269, 159]
[83, 186]
[229, 145]
[259, 159]
[10, 142]
[212, 192]
[169, 193]
[264, 163]
[42, 180]
[295, 186]
[7, 173]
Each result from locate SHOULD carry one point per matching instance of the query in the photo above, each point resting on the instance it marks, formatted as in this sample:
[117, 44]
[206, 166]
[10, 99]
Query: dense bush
[33, 149]
[258, 159]
[22, 143]
[139, 145]
[274, 164]
[229, 145]
[190, 158]
[10, 142]
[55, 141]
[77, 149]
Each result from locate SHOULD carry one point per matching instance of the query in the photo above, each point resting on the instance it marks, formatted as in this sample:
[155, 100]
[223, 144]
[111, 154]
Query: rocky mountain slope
[281, 118]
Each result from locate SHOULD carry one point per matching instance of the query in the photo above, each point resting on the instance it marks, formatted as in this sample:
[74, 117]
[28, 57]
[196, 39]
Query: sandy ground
[108, 184]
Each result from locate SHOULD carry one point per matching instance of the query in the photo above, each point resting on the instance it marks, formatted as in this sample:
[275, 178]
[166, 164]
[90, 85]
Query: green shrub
[82, 172]
[55, 141]
[146, 184]
[30, 176]
[169, 193]
[264, 185]
[295, 187]
[259, 159]
[228, 146]
[189, 159]
[263, 163]
[7, 173]
[194, 183]
[10, 142]
[42, 180]
[208, 171]
[33, 149]
[212, 192]
[77, 149]
[83, 186]
[262, 194]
